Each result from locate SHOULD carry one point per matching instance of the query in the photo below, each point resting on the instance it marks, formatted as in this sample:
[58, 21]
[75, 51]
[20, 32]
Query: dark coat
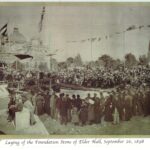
[128, 109]
[146, 104]
[39, 105]
[91, 114]
[78, 103]
[47, 104]
[63, 108]
[108, 111]
[83, 114]
[97, 111]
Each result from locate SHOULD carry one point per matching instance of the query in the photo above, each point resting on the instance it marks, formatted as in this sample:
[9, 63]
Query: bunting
[140, 27]
[3, 28]
[131, 28]
[106, 37]
[93, 39]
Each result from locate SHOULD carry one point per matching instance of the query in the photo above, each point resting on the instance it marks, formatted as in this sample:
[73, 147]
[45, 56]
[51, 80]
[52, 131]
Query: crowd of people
[120, 105]
[91, 78]
[129, 97]
[105, 78]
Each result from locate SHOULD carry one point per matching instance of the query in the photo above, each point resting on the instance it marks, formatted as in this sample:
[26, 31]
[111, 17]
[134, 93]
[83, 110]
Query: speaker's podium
[22, 119]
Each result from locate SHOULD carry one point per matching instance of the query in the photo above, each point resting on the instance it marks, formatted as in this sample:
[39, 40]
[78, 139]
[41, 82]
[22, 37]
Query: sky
[63, 23]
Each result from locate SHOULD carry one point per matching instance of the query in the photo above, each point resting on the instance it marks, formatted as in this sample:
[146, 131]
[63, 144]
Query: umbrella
[23, 56]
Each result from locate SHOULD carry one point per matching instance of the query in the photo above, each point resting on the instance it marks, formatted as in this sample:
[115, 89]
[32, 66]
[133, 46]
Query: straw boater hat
[90, 101]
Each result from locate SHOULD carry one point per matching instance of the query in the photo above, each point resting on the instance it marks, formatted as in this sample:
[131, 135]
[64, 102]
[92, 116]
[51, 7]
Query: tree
[143, 60]
[92, 64]
[116, 63]
[106, 60]
[69, 61]
[78, 60]
[62, 65]
[130, 60]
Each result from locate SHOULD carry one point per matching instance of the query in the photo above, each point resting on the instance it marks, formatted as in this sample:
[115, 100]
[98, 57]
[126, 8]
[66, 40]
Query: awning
[23, 56]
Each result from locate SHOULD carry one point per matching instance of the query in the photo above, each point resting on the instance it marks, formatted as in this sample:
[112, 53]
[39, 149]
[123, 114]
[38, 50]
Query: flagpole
[30, 66]
[9, 50]
[91, 50]
[16, 65]
[123, 44]
[51, 63]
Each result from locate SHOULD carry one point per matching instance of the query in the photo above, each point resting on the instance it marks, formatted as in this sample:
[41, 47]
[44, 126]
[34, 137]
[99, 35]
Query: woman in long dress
[39, 104]
[91, 114]
[75, 116]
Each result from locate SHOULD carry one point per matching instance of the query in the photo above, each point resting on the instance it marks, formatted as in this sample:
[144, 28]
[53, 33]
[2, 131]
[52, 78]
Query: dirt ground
[137, 126]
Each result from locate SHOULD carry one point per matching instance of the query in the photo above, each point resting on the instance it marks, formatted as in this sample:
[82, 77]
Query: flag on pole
[3, 28]
[41, 21]
[4, 34]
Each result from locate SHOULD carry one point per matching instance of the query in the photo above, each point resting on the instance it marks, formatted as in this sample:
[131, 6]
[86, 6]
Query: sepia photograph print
[75, 69]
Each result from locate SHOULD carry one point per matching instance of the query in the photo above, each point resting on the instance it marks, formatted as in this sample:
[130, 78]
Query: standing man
[63, 109]
[53, 100]
[97, 109]
[116, 115]
[69, 107]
